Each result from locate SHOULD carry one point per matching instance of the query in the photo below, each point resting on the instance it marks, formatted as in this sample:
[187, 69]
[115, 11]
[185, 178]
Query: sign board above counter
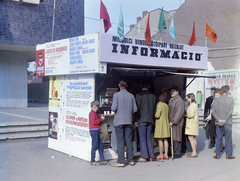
[91, 53]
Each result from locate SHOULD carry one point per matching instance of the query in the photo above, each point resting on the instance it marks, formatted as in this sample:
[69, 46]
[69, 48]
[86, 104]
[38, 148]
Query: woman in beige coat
[192, 127]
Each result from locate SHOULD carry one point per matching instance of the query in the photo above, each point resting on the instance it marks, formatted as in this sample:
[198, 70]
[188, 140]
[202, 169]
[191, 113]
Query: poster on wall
[53, 125]
[79, 94]
[75, 55]
[40, 62]
[226, 77]
[54, 91]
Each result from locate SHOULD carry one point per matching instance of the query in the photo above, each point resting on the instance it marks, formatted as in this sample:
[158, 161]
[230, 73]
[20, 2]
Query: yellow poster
[54, 91]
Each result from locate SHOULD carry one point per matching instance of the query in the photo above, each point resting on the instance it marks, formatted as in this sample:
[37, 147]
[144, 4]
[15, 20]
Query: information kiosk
[89, 67]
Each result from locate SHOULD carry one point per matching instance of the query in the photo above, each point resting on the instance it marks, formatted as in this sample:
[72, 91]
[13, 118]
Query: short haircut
[123, 84]
[225, 88]
[192, 96]
[213, 88]
[145, 84]
[218, 91]
[94, 103]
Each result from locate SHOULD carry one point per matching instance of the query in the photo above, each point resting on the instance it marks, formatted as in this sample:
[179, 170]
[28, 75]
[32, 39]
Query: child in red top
[94, 127]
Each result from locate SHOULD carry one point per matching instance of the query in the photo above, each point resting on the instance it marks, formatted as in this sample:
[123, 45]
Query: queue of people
[169, 120]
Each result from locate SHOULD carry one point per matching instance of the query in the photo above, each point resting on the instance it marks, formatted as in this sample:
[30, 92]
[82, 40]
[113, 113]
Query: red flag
[148, 32]
[104, 15]
[210, 33]
[193, 37]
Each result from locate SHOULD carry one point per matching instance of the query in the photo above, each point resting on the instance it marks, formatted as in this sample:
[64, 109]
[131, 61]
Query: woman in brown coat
[176, 111]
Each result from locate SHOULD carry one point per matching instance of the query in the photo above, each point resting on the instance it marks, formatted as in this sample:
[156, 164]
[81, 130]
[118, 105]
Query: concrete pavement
[31, 159]
[28, 160]
[34, 113]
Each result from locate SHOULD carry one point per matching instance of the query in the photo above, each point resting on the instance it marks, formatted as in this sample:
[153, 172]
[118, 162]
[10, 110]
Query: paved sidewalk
[28, 160]
[35, 112]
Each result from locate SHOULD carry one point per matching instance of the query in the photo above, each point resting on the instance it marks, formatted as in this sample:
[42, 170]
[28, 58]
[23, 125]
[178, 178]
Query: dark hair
[225, 88]
[213, 88]
[182, 93]
[94, 103]
[192, 96]
[160, 93]
[174, 87]
[145, 84]
[123, 84]
[218, 91]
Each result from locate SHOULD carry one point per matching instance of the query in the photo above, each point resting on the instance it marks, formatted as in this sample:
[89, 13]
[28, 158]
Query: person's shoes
[165, 158]
[118, 165]
[192, 155]
[216, 157]
[142, 160]
[159, 157]
[95, 163]
[211, 146]
[151, 159]
[105, 163]
[131, 163]
[188, 153]
[178, 156]
[230, 157]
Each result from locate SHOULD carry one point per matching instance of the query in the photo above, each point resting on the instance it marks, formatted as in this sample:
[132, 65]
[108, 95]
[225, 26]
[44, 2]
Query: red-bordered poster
[40, 62]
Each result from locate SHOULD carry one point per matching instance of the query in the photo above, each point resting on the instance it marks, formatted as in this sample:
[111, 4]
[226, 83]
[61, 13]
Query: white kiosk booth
[87, 68]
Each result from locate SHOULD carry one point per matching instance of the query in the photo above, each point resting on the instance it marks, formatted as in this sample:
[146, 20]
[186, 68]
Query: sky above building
[131, 10]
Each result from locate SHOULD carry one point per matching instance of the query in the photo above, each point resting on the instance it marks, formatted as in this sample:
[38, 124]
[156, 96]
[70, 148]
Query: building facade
[223, 55]
[23, 25]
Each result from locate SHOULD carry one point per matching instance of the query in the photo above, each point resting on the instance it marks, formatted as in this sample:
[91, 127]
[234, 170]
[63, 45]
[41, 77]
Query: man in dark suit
[207, 109]
[222, 110]
[124, 106]
[144, 120]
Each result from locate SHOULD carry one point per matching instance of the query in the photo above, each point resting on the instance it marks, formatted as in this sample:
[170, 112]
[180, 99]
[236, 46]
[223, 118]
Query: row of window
[28, 1]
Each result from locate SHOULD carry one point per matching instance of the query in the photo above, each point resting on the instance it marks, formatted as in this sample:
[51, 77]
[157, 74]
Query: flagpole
[206, 36]
[100, 17]
[54, 4]
[161, 36]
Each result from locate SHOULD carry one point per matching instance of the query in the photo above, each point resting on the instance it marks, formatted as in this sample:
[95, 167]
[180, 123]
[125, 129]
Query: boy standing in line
[94, 127]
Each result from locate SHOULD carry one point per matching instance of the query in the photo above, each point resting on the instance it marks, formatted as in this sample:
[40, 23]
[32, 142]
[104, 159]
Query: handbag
[207, 129]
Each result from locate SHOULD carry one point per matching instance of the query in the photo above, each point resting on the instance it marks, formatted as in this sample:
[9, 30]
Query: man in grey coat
[222, 110]
[124, 106]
